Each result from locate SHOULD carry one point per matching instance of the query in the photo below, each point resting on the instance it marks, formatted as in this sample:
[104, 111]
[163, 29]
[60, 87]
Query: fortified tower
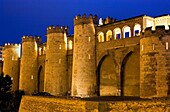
[56, 63]
[154, 63]
[11, 63]
[29, 64]
[84, 69]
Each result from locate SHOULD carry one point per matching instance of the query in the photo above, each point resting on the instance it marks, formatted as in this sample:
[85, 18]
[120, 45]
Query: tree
[5, 91]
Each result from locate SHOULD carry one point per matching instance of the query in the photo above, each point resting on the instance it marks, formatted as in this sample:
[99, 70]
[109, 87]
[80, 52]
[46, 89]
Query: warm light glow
[108, 35]
[40, 50]
[60, 46]
[117, 32]
[166, 45]
[89, 39]
[126, 32]
[101, 37]
[70, 45]
[137, 29]
[100, 21]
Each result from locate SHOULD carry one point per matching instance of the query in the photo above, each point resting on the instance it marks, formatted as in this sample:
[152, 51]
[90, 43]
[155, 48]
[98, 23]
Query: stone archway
[130, 75]
[107, 77]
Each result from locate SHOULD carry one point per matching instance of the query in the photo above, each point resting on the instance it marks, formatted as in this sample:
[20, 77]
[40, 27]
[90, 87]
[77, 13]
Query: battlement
[159, 31]
[57, 29]
[11, 45]
[109, 20]
[31, 38]
[85, 20]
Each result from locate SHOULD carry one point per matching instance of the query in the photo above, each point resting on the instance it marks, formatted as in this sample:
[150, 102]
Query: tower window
[166, 45]
[153, 46]
[142, 47]
[89, 56]
[60, 46]
[32, 77]
[59, 61]
[89, 39]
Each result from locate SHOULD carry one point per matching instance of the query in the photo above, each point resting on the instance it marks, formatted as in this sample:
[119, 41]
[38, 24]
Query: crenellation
[80, 20]
[57, 29]
[31, 39]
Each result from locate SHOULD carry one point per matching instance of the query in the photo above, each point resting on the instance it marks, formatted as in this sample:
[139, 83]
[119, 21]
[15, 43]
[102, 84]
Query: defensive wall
[45, 104]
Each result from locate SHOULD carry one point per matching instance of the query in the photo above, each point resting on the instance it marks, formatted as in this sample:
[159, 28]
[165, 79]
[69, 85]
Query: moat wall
[41, 104]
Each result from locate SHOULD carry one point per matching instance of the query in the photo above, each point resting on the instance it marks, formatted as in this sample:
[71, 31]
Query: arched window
[137, 30]
[117, 33]
[126, 32]
[108, 35]
[70, 45]
[101, 37]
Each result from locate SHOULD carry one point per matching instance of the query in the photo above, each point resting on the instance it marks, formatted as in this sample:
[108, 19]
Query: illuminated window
[32, 77]
[126, 32]
[108, 35]
[142, 47]
[60, 46]
[59, 61]
[89, 56]
[137, 30]
[166, 45]
[101, 37]
[117, 33]
[40, 51]
[70, 45]
[89, 39]
[44, 50]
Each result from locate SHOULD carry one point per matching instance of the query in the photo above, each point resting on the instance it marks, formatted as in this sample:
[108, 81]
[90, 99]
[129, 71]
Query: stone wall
[42, 104]
[118, 67]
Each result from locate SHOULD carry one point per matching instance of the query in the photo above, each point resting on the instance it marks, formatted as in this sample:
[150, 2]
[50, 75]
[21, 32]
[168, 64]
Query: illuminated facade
[110, 58]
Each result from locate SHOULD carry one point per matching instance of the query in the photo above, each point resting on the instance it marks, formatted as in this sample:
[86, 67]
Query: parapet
[159, 31]
[11, 45]
[31, 39]
[85, 20]
[57, 29]
[109, 20]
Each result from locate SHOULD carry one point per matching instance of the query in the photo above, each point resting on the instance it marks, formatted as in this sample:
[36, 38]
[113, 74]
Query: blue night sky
[31, 17]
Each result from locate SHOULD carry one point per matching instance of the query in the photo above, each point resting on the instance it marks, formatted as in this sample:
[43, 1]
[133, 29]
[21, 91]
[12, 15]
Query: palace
[107, 57]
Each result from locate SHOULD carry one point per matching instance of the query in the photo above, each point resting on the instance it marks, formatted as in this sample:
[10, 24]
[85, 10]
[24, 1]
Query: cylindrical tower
[11, 63]
[154, 63]
[56, 63]
[84, 69]
[29, 65]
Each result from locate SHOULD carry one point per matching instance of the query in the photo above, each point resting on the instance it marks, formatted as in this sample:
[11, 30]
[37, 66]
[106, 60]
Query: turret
[154, 63]
[11, 55]
[29, 64]
[56, 62]
[84, 73]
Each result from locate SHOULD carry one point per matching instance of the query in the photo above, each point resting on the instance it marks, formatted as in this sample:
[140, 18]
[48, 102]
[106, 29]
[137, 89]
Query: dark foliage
[9, 101]
[5, 92]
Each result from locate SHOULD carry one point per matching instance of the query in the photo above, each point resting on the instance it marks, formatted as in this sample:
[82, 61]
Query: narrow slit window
[60, 46]
[89, 56]
[142, 47]
[153, 46]
[59, 61]
[89, 39]
[166, 45]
